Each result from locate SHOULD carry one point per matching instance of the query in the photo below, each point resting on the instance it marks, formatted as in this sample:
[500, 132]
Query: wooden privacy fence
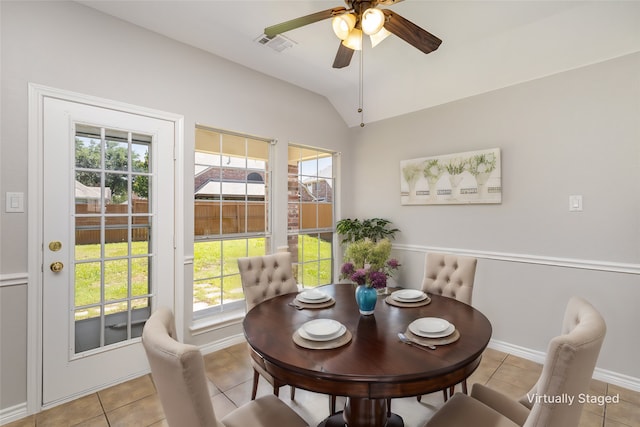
[116, 220]
[211, 218]
[232, 217]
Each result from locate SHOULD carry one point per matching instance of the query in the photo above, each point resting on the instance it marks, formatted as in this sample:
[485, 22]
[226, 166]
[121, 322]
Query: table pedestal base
[337, 420]
[363, 412]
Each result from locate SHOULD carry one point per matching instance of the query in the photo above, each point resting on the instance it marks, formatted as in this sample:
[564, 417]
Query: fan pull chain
[361, 94]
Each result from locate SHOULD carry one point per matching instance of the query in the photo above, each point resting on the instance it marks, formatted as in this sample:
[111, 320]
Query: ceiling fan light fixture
[379, 36]
[372, 21]
[354, 41]
[343, 25]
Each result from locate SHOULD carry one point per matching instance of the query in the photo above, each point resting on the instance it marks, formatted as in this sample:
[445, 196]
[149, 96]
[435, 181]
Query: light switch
[575, 203]
[14, 202]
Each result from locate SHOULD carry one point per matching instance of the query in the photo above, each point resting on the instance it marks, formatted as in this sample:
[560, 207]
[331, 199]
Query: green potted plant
[367, 257]
[374, 229]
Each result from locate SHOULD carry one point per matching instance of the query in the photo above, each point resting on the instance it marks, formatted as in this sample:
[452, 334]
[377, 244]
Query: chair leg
[293, 393]
[332, 404]
[464, 386]
[388, 408]
[419, 398]
[256, 377]
[444, 394]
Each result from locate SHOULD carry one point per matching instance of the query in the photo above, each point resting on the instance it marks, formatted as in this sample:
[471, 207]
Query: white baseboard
[13, 413]
[222, 344]
[621, 380]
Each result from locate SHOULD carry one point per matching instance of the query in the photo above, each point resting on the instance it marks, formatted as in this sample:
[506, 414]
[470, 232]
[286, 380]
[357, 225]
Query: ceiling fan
[362, 16]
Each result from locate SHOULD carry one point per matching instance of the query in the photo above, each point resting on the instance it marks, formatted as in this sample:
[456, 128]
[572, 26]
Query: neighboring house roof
[316, 189]
[90, 193]
[228, 188]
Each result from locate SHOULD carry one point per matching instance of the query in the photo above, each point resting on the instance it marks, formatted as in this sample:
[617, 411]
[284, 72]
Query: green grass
[209, 272]
[88, 277]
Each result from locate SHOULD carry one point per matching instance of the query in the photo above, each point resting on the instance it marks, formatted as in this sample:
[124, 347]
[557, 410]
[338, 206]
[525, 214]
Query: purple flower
[359, 276]
[347, 269]
[375, 277]
[393, 263]
[378, 279]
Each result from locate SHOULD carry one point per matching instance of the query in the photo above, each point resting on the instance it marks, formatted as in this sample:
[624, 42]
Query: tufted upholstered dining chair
[567, 370]
[265, 277]
[450, 276]
[178, 373]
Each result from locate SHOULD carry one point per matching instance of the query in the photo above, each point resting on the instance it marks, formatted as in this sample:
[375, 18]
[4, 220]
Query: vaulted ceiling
[486, 45]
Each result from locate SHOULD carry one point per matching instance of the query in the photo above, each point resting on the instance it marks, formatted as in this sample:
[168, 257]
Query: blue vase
[366, 298]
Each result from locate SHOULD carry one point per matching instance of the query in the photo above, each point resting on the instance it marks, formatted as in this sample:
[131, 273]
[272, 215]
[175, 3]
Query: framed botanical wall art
[461, 178]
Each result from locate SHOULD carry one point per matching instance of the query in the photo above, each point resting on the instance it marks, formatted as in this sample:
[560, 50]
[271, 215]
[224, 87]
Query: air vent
[277, 42]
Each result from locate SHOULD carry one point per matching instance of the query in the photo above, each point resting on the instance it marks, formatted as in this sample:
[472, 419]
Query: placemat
[325, 304]
[322, 345]
[455, 336]
[389, 300]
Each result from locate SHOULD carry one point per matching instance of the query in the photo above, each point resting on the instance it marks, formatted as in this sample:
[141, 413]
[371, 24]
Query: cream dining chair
[178, 372]
[450, 276]
[567, 370]
[265, 277]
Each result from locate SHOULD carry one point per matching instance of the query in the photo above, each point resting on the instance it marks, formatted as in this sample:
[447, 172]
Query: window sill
[218, 321]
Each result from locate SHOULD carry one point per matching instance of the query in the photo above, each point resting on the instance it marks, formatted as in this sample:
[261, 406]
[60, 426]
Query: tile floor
[135, 402]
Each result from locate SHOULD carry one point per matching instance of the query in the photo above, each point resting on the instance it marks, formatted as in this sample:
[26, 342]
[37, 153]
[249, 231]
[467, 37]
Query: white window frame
[225, 309]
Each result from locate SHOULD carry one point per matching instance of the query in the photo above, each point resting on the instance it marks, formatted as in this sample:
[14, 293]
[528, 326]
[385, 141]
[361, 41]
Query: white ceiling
[486, 45]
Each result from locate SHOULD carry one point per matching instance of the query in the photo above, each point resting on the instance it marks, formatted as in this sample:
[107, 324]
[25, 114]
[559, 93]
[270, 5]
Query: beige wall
[577, 132]
[68, 46]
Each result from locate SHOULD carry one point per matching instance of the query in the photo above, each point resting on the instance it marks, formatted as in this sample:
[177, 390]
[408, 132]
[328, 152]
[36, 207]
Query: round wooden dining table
[374, 365]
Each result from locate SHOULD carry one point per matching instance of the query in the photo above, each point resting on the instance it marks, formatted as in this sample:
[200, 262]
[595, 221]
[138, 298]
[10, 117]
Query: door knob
[56, 266]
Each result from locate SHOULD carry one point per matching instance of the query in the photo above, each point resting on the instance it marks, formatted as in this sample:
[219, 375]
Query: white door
[108, 252]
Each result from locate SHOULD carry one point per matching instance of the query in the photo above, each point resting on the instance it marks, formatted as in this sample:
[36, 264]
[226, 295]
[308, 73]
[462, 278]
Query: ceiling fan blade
[410, 32]
[302, 21]
[343, 57]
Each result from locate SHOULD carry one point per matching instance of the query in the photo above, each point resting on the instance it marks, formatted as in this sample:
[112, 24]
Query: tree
[88, 160]
[140, 184]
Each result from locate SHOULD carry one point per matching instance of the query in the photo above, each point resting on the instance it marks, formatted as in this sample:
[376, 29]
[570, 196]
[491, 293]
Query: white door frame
[37, 94]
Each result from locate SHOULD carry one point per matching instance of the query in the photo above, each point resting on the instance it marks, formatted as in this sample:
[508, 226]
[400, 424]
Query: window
[310, 224]
[232, 210]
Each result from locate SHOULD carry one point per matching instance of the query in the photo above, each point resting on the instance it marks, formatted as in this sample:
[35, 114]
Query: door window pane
[113, 228]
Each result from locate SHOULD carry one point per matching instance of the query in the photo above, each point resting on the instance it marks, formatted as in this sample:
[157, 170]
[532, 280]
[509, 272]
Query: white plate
[432, 325]
[416, 329]
[321, 328]
[313, 294]
[409, 295]
[302, 298]
[338, 334]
